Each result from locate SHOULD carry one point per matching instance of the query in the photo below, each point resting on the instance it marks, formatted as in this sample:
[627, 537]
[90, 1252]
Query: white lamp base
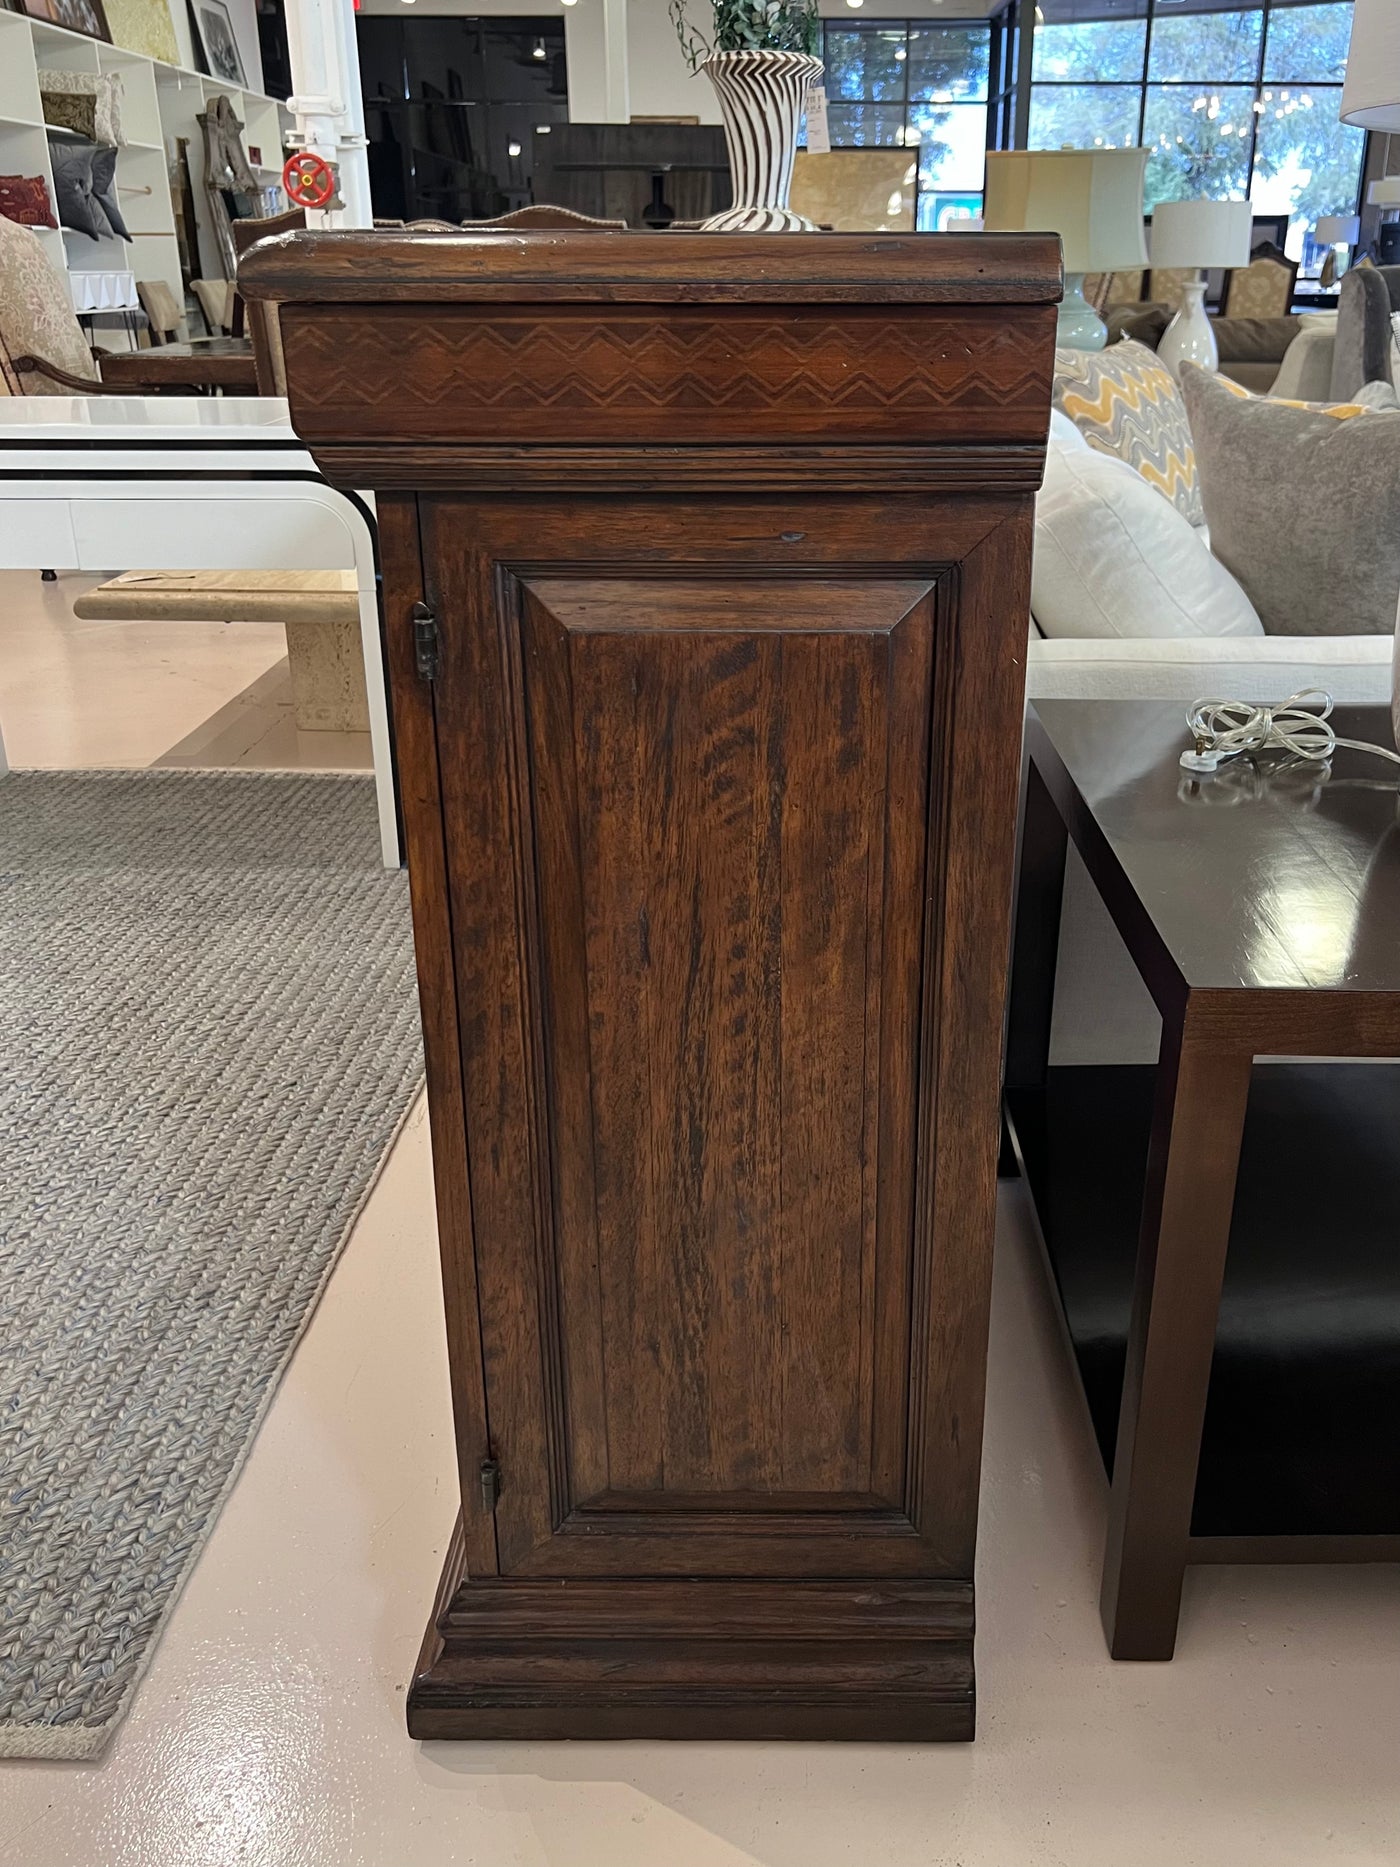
[1190, 337]
[1079, 326]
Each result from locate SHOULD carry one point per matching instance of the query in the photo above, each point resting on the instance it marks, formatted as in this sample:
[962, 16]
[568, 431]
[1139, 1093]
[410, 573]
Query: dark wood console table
[1223, 1238]
[707, 566]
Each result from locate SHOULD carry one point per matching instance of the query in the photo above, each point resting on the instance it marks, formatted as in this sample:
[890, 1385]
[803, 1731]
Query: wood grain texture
[690, 1659]
[716, 823]
[388, 267]
[1219, 895]
[713, 768]
[861, 374]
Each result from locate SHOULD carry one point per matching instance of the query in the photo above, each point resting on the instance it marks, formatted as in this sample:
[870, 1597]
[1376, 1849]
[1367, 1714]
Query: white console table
[113, 483]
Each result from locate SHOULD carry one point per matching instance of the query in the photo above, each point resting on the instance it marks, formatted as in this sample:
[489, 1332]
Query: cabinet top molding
[396, 266]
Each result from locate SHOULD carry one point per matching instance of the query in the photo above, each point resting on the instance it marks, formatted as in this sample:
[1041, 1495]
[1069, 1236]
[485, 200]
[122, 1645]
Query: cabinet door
[693, 810]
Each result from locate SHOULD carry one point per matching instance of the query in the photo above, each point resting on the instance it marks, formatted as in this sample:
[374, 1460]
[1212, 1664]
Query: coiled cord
[1223, 729]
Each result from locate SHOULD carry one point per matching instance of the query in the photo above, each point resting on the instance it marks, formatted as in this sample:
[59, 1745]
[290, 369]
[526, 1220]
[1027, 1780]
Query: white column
[326, 100]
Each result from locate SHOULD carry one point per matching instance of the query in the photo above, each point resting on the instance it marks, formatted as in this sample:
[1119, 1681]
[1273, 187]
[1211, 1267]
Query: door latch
[425, 642]
[490, 1483]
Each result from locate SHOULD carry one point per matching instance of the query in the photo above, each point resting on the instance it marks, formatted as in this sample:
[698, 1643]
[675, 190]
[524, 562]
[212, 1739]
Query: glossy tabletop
[1265, 876]
[116, 419]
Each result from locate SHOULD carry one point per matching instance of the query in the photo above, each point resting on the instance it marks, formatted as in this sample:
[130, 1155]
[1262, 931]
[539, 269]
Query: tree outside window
[1233, 101]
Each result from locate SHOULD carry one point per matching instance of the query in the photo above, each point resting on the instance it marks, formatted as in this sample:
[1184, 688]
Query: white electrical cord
[1223, 729]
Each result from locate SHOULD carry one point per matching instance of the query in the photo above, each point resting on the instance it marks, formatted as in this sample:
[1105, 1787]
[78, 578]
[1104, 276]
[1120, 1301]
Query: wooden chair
[163, 312]
[539, 217]
[263, 330]
[43, 350]
[1166, 285]
[1263, 288]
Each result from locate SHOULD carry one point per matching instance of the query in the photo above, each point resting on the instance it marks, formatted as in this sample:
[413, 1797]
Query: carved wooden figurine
[707, 568]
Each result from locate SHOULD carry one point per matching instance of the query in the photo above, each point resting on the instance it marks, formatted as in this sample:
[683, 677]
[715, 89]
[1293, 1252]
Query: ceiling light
[542, 129]
[855, 3]
[512, 149]
[900, 53]
[537, 50]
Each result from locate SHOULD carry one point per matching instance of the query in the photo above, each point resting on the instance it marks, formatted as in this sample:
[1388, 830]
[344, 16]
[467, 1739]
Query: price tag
[818, 135]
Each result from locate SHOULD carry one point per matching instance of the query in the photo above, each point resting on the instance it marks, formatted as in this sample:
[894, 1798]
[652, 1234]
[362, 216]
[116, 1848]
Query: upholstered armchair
[43, 350]
[1369, 299]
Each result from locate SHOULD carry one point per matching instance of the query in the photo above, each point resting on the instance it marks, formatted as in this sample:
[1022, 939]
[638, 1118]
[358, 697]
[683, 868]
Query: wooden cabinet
[707, 568]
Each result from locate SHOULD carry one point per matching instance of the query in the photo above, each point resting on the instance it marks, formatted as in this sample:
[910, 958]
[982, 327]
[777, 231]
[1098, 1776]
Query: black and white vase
[761, 97]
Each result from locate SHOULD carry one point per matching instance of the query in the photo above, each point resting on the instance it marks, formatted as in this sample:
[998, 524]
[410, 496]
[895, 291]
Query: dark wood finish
[627, 377]
[213, 363]
[261, 319]
[396, 266]
[696, 1659]
[207, 363]
[540, 216]
[1241, 872]
[710, 808]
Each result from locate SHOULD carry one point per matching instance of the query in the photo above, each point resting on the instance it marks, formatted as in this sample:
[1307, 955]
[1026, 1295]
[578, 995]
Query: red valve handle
[308, 179]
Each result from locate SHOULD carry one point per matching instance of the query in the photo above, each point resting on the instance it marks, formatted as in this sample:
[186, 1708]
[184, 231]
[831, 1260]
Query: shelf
[1299, 1436]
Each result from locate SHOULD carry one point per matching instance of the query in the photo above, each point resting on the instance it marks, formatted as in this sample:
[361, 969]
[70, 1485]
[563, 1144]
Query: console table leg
[1197, 1124]
[1035, 946]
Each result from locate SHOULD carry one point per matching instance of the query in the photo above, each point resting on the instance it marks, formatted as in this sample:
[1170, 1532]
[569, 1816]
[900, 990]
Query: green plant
[750, 26]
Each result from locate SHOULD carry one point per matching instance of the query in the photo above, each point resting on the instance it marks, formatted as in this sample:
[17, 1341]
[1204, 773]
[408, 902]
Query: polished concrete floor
[269, 1730]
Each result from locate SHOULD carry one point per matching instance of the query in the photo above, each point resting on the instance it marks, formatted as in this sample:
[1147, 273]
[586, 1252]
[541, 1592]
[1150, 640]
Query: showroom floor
[269, 1730]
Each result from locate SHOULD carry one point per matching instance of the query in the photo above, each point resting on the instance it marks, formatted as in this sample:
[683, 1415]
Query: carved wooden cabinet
[706, 569]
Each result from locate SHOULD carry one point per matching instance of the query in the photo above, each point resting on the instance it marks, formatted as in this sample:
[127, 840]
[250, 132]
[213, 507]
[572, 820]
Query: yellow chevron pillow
[1124, 402]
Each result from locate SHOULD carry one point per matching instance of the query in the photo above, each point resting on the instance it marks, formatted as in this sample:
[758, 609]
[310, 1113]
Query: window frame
[1147, 86]
[999, 104]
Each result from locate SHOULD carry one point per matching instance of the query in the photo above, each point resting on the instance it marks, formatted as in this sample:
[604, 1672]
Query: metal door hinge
[425, 642]
[490, 1483]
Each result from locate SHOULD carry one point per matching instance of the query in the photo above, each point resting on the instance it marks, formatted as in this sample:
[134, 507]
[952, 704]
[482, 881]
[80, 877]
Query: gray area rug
[208, 1040]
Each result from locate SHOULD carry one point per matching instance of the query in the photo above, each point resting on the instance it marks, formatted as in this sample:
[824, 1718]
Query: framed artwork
[214, 28]
[77, 15]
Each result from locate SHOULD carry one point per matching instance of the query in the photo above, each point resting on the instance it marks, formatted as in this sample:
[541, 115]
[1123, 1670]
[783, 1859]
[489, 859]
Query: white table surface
[118, 418]
[112, 483]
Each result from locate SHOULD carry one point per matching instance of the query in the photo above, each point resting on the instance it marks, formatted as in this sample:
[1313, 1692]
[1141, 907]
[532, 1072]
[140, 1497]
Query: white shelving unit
[160, 103]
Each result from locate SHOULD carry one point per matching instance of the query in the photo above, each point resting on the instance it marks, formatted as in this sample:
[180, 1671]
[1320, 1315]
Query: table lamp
[1192, 236]
[1093, 199]
[1371, 93]
[1334, 231]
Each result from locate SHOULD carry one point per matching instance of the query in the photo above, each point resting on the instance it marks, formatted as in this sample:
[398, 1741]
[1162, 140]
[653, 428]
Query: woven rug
[208, 1040]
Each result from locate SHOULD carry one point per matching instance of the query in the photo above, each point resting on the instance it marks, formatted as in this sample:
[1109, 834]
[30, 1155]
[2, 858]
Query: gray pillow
[1301, 503]
[72, 186]
[104, 189]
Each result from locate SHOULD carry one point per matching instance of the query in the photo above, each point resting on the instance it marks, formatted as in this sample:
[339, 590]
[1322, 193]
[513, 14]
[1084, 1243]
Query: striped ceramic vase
[761, 96]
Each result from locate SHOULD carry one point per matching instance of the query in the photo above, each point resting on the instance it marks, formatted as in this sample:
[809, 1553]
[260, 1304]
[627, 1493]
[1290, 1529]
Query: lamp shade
[1202, 234]
[1091, 197]
[1371, 94]
[1338, 230]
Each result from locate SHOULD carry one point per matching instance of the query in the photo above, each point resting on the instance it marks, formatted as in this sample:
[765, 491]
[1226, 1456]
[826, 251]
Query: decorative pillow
[104, 190]
[1112, 558]
[1126, 403]
[72, 186]
[1302, 503]
[25, 198]
[86, 102]
[36, 318]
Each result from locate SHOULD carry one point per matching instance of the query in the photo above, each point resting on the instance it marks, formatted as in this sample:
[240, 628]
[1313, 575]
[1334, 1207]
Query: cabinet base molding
[686, 1658]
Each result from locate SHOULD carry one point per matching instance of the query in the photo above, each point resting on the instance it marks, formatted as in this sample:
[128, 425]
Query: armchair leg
[48, 576]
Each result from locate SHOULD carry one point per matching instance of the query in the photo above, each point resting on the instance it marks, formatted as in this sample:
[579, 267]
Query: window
[905, 84]
[1234, 101]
